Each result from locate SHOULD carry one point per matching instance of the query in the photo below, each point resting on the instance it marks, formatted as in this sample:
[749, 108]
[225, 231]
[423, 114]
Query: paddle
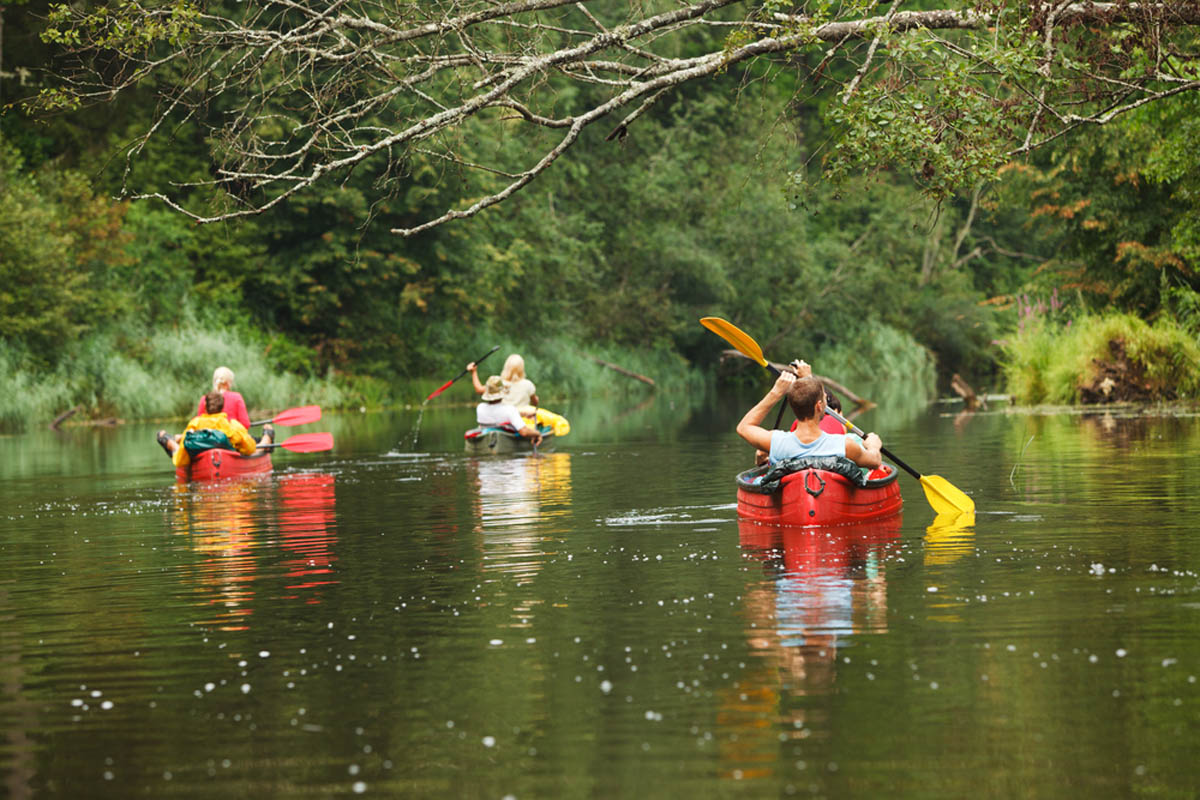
[293, 416]
[446, 385]
[303, 443]
[941, 494]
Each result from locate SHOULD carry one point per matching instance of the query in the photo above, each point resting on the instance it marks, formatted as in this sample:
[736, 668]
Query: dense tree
[294, 93]
[60, 248]
[708, 197]
[1116, 213]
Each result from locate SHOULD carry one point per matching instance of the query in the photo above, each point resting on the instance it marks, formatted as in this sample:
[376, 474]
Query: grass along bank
[153, 373]
[148, 374]
[1102, 358]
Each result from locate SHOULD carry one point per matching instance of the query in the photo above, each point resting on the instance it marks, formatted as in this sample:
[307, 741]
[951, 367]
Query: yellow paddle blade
[945, 497]
[736, 337]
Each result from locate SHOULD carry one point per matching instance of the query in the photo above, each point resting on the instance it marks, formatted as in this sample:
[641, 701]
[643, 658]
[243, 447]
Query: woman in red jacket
[235, 406]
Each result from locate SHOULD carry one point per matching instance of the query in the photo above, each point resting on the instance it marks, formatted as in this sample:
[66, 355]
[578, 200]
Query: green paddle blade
[945, 497]
[736, 337]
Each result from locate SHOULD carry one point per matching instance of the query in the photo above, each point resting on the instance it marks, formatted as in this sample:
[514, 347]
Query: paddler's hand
[537, 439]
[872, 441]
[471, 367]
[782, 383]
[803, 368]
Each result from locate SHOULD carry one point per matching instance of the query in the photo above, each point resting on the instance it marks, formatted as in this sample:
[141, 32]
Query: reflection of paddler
[220, 519]
[519, 503]
[828, 583]
[519, 490]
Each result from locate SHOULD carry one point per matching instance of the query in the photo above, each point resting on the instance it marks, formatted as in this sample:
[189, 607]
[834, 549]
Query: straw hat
[493, 389]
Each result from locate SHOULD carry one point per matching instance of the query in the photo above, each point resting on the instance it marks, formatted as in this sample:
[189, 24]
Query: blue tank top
[784, 445]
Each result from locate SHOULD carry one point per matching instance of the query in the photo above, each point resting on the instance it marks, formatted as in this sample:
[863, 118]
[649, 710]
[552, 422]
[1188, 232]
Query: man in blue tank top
[806, 396]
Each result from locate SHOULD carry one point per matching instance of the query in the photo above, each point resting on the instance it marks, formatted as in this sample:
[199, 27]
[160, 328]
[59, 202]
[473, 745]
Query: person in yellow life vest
[212, 429]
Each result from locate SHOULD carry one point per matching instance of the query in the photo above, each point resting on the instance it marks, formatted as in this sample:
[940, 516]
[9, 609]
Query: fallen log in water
[63, 417]
[621, 370]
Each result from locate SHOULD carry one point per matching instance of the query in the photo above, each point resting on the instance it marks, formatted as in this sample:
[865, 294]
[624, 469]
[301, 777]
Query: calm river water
[396, 619]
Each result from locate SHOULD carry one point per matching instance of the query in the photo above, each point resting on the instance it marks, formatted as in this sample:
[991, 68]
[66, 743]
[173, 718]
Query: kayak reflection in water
[820, 587]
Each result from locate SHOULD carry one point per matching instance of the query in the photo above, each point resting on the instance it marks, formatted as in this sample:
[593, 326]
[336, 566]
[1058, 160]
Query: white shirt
[519, 393]
[496, 414]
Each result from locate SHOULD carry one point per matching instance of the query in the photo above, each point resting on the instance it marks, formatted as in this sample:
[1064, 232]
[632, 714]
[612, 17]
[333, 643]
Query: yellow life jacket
[236, 437]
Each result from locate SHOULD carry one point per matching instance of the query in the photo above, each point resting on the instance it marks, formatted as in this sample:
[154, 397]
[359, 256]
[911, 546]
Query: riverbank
[156, 375]
[1097, 360]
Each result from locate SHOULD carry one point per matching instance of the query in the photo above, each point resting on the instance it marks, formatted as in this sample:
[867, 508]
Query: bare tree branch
[290, 93]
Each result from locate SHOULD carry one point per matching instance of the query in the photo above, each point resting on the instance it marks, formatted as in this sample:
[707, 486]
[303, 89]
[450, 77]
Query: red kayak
[215, 464]
[814, 496]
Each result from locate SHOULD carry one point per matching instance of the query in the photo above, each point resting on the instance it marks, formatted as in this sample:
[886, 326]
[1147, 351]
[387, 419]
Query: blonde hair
[514, 368]
[222, 376]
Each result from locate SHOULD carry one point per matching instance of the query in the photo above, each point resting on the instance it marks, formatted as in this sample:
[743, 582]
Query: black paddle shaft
[476, 362]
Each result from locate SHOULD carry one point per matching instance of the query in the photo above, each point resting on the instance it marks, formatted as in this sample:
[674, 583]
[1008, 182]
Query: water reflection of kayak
[831, 549]
[814, 496]
[488, 440]
[217, 463]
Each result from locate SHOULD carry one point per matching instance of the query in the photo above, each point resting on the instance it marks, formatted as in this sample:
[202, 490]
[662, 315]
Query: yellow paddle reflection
[950, 537]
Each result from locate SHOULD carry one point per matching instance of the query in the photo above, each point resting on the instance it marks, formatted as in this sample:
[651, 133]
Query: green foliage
[946, 136]
[124, 27]
[702, 207]
[58, 243]
[880, 350]
[30, 394]
[1108, 212]
[1165, 136]
[1048, 363]
[153, 372]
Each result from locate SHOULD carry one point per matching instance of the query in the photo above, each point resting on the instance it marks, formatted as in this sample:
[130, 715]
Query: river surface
[397, 619]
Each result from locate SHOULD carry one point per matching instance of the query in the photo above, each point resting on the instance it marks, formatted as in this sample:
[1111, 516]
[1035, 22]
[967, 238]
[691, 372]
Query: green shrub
[27, 395]
[1047, 363]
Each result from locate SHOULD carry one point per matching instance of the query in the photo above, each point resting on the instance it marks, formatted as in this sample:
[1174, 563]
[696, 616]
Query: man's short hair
[803, 395]
[214, 402]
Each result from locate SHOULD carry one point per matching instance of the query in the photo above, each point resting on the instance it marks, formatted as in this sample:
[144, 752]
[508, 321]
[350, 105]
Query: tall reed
[143, 373]
[1047, 363]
